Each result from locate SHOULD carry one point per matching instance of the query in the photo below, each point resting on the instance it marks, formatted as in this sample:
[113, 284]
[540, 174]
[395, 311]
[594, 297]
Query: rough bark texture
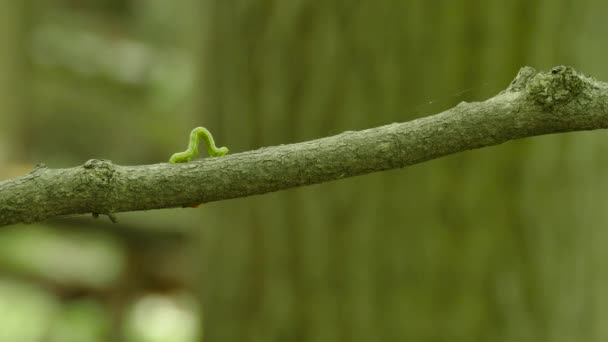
[561, 100]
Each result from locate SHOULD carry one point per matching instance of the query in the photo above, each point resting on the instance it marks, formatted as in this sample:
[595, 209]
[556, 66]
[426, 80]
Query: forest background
[501, 244]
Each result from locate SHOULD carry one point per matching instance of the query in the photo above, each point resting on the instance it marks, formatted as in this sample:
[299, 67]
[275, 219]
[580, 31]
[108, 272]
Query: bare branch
[561, 100]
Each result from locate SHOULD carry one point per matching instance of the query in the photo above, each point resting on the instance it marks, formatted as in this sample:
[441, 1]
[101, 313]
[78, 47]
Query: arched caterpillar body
[192, 151]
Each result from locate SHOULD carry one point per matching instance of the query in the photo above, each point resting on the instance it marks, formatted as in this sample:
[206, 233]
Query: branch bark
[535, 103]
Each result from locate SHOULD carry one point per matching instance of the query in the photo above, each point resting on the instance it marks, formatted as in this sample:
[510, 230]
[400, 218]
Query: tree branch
[561, 100]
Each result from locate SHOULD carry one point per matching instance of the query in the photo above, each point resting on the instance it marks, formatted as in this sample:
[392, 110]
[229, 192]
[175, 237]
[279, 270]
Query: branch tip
[521, 80]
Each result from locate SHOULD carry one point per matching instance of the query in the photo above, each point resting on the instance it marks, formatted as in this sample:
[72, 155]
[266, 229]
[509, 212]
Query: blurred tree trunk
[12, 55]
[502, 244]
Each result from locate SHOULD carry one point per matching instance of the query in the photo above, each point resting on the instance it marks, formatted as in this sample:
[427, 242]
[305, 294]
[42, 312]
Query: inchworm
[192, 151]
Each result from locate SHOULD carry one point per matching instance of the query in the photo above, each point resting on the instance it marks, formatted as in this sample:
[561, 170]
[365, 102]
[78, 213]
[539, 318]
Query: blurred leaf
[161, 318]
[25, 311]
[81, 321]
[88, 259]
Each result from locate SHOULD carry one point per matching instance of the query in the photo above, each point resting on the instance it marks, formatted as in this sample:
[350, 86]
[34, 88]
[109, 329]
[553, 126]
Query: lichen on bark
[556, 87]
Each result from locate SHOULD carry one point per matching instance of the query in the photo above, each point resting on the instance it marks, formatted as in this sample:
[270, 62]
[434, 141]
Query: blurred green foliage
[155, 318]
[26, 310]
[79, 321]
[94, 79]
[78, 258]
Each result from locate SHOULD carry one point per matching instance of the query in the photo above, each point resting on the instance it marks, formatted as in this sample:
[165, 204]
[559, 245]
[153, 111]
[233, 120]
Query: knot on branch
[559, 86]
[100, 176]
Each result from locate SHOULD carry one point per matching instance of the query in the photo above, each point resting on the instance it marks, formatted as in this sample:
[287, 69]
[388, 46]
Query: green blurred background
[500, 244]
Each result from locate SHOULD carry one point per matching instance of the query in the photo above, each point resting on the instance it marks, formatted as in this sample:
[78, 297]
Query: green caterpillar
[192, 151]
